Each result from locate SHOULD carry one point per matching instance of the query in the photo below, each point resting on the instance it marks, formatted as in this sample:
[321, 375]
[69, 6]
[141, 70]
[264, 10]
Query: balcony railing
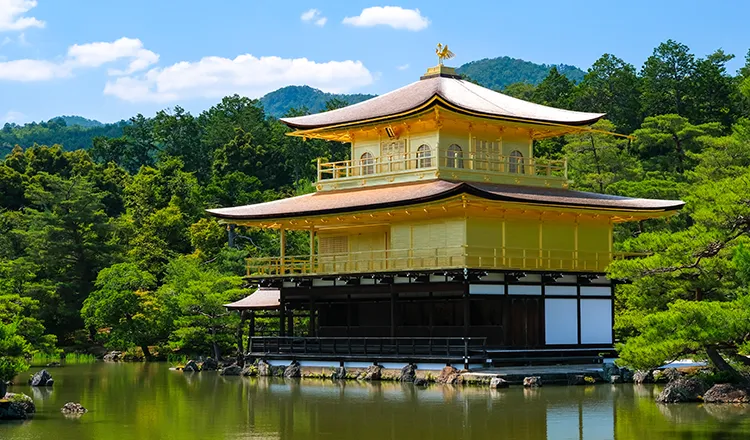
[434, 258]
[416, 161]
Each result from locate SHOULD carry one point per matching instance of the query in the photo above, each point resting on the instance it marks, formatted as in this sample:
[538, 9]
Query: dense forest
[111, 245]
[498, 73]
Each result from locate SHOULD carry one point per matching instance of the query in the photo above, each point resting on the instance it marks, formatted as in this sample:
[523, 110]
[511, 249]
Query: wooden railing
[410, 162]
[363, 347]
[433, 258]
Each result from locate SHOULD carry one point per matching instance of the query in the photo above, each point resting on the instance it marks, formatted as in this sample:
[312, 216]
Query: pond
[148, 401]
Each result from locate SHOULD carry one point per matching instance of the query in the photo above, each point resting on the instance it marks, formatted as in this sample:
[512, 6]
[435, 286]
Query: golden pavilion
[442, 238]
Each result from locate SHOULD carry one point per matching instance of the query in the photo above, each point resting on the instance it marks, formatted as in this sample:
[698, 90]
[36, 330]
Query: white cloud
[393, 16]
[81, 56]
[12, 18]
[314, 16]
[97, 54]
[32, 70]
[12, 116]
[403, 67]
[6, 40]
[215, 77]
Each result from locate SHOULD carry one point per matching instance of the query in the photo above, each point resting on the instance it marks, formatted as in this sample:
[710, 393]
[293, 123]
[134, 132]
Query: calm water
[147, 401]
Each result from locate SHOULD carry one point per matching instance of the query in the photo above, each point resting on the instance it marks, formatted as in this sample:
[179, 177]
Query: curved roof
[263, 298]
[332, 202]
[451, 92]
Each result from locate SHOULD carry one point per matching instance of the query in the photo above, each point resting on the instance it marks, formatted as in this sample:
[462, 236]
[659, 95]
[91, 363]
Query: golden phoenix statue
[443, 53]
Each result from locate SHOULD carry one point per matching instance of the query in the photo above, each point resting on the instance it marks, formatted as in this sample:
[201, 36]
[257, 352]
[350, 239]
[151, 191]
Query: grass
[69, 358]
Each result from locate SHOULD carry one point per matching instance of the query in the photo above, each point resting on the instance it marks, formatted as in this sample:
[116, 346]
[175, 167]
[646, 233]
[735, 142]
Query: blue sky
[109, 60]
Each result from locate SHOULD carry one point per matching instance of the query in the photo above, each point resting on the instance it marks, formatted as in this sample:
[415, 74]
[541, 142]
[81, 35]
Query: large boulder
[72, 409]
[532, 381]
[682, 390]
[498, 382]
[373, 372]
[41, 379]
[113, 356]
[609, 370]
[191, 367]
[642, 376]
[249, 370]
[339, 373]
[448, 375]
[232, 370]
[727, 393]
[408, 373]
[209, 365]
[293, 370]
[264, 368]
[16, 407]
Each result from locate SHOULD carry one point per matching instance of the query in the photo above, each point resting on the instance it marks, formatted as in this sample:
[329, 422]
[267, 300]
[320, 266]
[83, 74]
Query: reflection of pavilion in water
[359, 410]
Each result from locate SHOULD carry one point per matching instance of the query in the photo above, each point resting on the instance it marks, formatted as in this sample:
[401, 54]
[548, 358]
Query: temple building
[442, 238]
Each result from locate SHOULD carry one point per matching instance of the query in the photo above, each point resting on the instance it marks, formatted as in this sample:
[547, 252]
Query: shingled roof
[341, 201]
[448, 91]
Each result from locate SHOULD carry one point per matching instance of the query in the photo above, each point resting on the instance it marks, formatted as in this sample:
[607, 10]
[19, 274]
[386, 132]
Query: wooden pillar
[312, 249]
[250, 331]
[282, 314]
[311, 319]
[394, 297]
[290, 323]
[467, 310]
[282, 248]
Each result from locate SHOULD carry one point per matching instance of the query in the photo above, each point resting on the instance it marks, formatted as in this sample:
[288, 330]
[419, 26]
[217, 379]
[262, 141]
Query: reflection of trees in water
[731, 413]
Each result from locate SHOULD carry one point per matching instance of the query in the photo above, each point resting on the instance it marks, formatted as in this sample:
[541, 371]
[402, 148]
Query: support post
[394, 296]
[282, 248]
[231, 234]
[312, 249]
[282, 314]
[467, 310]
[250, 331]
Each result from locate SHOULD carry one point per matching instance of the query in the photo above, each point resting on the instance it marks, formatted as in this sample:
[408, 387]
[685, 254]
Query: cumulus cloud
[12, 16]
[314, 16]
[214, 77]
[393, 16]
[98, 54]
[81, 56]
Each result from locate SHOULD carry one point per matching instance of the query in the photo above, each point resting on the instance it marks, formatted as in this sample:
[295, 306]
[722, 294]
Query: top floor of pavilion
[441, 127]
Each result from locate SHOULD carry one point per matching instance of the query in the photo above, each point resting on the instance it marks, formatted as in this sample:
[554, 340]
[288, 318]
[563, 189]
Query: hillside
[497, 73]
[278, 103]
[57, 131]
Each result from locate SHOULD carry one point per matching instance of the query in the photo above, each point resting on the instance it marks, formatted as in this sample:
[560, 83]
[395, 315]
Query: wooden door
[525, 322]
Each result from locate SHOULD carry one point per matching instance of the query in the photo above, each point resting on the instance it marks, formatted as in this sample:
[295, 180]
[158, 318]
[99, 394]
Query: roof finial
[443, 53]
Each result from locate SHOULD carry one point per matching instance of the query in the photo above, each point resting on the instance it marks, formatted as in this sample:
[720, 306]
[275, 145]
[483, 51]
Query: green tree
[124, 303]
[666, 79]
[13, 352]
[611, 86]
[556, 90]
[198, 293]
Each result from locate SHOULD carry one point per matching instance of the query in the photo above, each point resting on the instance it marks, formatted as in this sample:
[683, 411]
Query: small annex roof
[262, 299]
[386, 196]
[453, 93]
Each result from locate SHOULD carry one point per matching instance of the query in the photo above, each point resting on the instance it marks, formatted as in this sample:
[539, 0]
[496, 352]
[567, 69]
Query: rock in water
[264, 368]
[191, 367]
[339, 373]
[682, 390]
[642, 376]
[420, 382]
[727, 393]
[232, 370]
[498, 382]
[615, 378]
[448, 375]
[373, 372]
[576, 379]
[293, 370]
[249, 370]
[532, 381]
[73, 409]
[41, 379]
[408, 373]
[113, 356]
[209, 365]
[671, 374]
[16, 407]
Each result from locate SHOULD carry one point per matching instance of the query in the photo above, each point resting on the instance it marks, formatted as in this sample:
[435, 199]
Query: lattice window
[424, 156]
[367, 161]
[334, 245]
[487, 155]
[515, 162]
[455, 157]
[392, 153]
